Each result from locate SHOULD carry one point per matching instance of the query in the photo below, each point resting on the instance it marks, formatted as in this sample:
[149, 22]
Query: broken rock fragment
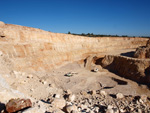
[15, 105]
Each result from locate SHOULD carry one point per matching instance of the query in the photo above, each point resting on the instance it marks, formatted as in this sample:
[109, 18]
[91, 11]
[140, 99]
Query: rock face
[134, 69]
[148, 43]
[143, 52]
[15, 105]
[40, 50]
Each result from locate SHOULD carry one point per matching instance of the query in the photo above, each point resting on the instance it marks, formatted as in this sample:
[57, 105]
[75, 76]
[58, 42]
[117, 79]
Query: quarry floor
[42, 84]
[86, 80]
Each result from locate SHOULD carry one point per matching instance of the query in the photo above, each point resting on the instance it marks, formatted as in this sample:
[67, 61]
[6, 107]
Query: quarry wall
[135, 69]
[33, 49]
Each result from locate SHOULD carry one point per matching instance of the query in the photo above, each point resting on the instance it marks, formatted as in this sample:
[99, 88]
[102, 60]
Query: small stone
[96, 70]
[120, 96]
[72, 97]
[1, 53]
[83, 106]
[74, 111]
[15, 105]
[103, 93]
[71, 108]
[109, 107]
[144, 98]
[110, 111]
[140, 111]
[93, 92]
[68, 103]
[91, 112]
[59, 103]
[43, 81]
[69, 92]
[141, 101]
[58, 111]
[83, 93]
[122, 111]
[57, 95]
[30, 76]
[31, 89]
[96, 109]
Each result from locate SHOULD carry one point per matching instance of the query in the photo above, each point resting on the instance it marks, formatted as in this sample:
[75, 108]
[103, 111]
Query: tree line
[103, 35]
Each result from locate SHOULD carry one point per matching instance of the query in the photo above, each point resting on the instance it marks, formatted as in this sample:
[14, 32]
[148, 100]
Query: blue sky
[121, 17]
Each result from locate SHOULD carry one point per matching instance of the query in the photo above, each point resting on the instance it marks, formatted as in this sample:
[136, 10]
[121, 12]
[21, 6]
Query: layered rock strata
[33, 49]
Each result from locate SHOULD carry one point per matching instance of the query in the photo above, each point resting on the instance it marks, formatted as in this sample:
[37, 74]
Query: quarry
[45, 72]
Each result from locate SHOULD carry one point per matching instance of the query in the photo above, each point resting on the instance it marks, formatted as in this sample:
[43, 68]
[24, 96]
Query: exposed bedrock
[33, 49]
[135, 69]
[143, 52]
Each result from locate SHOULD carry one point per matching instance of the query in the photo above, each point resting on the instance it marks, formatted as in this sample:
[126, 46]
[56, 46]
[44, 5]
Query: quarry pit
[34, 62]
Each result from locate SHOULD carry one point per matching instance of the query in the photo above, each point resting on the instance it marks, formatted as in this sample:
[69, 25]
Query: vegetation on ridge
[104, 35]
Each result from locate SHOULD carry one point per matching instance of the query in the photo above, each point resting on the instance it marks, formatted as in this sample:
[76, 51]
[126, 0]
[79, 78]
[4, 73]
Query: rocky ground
[84, 92]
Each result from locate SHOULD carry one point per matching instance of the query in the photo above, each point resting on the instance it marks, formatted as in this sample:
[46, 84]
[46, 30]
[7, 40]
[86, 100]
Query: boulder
[103, 93]
[59, 103]
[140, 52]
[71, 108]
[93, 92]
[15, 105]
[119, 96]
[71, 97]
[143, 52]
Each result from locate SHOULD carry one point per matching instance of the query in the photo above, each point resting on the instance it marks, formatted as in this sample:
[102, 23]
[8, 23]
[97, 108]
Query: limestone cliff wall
[132, 68]
[37, 50]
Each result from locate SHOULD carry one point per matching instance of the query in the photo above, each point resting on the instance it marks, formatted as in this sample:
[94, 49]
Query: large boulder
[143, 52]
[15, 105]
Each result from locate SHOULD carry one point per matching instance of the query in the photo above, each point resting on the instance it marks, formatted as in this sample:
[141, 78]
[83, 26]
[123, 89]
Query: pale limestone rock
[109, 107]
[119, 96]
[1, 53]
[72, 97]
[110, 111]
[103, 93]
[59, 103]
[69, 92]
[58, 111]
[93, 92]
[71, 108]
[144, 98]
[57, 95]
[34, 110]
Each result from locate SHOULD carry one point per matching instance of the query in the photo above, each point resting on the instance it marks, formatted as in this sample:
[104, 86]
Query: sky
[109, 17]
